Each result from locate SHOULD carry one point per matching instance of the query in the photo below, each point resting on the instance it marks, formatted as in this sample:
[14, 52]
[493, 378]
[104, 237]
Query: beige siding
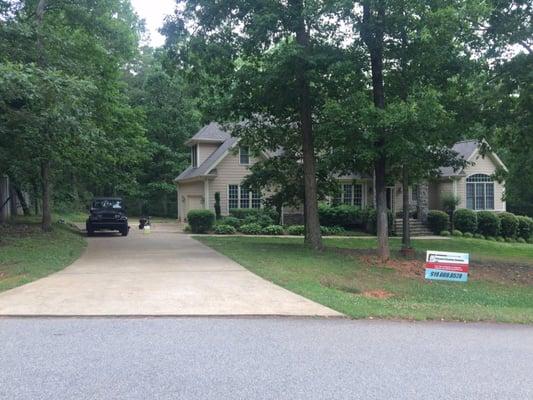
[483, 165]
[185, 190]
[229, 172]
[205, 150]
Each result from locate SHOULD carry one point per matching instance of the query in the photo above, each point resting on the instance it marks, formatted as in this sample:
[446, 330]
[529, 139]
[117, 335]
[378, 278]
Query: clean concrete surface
[262, 358]
[161, 273]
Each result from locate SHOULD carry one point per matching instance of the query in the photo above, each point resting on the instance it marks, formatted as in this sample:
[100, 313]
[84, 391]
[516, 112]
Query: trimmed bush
[262, 219]
[348, 217]
[369, 219]
[224, 229]
[521, 240]
[509, 224]
[272, 230]
[457, 232]
[500, 239]
[250, 229]
[438, 221]
[465, 220]
[243, 213]
[488, 223]
[510, 240]
[468, 235]
[525, 227]
[491, 238]
[201, 221]
[332, 230]
[187, 228]
[296, 230]
[231, 221]
[479, 236]
[445, 233]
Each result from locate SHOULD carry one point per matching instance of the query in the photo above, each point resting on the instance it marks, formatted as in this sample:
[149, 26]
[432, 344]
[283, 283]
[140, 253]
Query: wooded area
[377, 86]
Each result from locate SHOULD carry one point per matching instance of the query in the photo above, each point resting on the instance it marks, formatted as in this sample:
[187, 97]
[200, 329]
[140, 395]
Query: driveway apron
[164, 273]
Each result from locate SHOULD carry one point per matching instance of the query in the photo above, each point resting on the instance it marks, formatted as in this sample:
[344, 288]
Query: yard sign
[447, 266]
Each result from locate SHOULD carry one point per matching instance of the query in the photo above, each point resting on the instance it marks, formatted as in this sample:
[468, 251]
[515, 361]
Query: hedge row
[351, 217]
[485, 223]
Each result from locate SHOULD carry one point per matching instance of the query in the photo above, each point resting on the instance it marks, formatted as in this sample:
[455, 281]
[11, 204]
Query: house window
[245, 198]
[480, 192]
[256, 199]
[194, 156]
[241, 197]
[244, 155]
[233, 196]
[350, 194]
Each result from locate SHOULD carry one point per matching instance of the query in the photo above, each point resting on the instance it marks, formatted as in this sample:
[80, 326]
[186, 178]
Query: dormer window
[244, 155]
[194, 156]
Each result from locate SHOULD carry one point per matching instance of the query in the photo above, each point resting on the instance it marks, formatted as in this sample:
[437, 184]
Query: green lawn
[346, 279]
[27, 253]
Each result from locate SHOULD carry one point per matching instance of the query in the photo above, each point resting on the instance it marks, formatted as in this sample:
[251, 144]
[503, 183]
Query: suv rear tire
[124, 231]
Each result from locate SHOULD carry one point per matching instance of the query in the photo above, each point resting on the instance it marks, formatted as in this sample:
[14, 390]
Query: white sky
[154, 12]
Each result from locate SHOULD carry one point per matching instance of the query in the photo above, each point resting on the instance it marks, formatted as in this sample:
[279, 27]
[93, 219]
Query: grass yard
[348, 278]
[27, 253]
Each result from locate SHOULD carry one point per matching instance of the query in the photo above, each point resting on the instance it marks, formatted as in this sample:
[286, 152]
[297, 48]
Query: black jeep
[107, 213]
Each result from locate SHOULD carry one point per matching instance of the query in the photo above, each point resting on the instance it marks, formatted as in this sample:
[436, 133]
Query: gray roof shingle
[212, 132]
[464, 149]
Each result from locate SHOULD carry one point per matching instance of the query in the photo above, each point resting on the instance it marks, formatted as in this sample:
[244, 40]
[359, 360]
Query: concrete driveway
[163, 273]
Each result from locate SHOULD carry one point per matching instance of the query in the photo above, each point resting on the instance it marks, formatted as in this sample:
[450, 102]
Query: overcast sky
[153, 12]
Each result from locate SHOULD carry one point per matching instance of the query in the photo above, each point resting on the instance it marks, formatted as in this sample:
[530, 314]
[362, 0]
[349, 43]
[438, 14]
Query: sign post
[447, 266]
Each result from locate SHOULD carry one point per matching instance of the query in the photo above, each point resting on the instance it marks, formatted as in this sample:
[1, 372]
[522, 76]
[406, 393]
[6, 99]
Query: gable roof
[466, 149]
[209, 163]
[212, 132]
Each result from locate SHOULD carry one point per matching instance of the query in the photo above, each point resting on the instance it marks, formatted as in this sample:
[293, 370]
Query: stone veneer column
[423, 201]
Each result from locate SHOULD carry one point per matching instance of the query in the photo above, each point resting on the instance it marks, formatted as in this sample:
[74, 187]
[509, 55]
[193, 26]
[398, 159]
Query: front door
[390, 198]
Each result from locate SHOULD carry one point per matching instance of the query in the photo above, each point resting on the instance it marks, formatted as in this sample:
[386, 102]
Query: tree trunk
[35, 197]
[46, 223]
[406, 234]
[22, 201]
[312, 224]
[372, 34]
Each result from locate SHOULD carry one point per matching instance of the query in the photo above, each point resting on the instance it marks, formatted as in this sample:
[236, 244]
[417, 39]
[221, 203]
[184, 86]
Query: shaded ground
[348, 278]
[27, 253]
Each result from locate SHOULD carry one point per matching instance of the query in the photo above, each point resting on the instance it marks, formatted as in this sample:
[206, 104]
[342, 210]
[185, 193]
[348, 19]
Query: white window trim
[241, 163]
[250, 196]
[485, 193]
[353, 184]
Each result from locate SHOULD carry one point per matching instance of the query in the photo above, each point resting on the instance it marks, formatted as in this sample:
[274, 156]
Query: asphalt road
[262, 358]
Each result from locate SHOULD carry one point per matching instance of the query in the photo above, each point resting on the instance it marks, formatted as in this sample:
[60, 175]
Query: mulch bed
[497, 272]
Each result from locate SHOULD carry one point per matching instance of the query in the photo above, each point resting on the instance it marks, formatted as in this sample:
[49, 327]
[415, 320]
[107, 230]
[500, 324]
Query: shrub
[201, 221]
[509, 224]
[521, 240]
[510, 240]
[479, 236]
[224, 229]
[343, 215]
[296, 230]
[445, 233]
[250, 229]
[261, 219]
[525, 227]
[272, 230]
[369, 219]
[465, 220]
[231, 221]
[243, 213]
[457, 232]
[449, 205]
[500, 239]
[468, 235]
[488, 223]
[491, 238]
[332, 230]
[437, 221]
[187, 228]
